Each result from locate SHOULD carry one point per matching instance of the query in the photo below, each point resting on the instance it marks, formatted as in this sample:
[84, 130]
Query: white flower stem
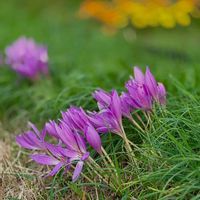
[111, 163]
[140, 119]
[128, 147]
[136, 124]
[108, 157]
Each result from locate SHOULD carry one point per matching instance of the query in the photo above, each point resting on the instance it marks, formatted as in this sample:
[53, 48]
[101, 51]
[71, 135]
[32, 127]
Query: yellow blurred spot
[116, 14]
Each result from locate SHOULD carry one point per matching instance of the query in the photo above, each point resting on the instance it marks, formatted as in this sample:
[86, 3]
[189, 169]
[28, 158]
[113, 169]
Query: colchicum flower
[32, 139]
[27, 58]
[77, 119]
[71, 133]
[143, 91]
[109, 118]
[71, 148]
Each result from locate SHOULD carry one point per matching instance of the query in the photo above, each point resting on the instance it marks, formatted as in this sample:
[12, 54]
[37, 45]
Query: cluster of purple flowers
[143, 91]
[27, 58]
[77, 128]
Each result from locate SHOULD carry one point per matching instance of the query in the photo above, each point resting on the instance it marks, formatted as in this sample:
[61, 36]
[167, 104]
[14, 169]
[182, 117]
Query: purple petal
[76, 118]
[34, 128]
[85, 156]
[53, 149]
[116, 105]
[66, 136]
[44, 159]
[68, 153]
[29, 140]
[102, 130]
[95, 119]
[103, 98]
[80, 142]
[56, 169]
[23, 143]
[77, 171]
[139, 76]
[151, 83]
[125, 106]
[93, 138]
[50, 127]
[67, 119]
[140, 96]
[162, 94]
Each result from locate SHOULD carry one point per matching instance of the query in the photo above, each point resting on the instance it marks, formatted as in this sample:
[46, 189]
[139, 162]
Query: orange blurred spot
[141, 13]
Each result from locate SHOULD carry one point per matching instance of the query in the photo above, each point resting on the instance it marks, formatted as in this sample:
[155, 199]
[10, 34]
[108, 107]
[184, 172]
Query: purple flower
[108, 119]
[71, 148]
[156, 90]
[62, 158]
[143, 91]
[139, 95]
[103, 98]
[32, 139]
[104, 121]
[27, 58]
[74, 151]
[77, 120]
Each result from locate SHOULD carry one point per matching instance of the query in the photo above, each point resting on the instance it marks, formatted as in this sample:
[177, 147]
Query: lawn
[81, 59]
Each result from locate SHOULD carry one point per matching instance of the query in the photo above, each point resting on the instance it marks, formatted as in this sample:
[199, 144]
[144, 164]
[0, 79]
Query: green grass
[82, 58]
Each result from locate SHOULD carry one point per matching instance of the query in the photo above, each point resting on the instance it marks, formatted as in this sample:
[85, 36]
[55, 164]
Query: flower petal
[93, 138]
[56, 169]
[102, 97]
[81, 142]
[29, 140]
[116, 106]
[77, 171]
[68, 153]
[23, 143]
[50, 128]
[151, 83]
[34, 128]
[161, 94]
[139, 76]
[125, 106]
[44, 159]
[66, 136]
[85, 156]
[53, 149]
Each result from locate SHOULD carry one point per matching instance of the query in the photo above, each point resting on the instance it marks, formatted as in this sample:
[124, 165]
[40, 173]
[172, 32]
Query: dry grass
[17, 181]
